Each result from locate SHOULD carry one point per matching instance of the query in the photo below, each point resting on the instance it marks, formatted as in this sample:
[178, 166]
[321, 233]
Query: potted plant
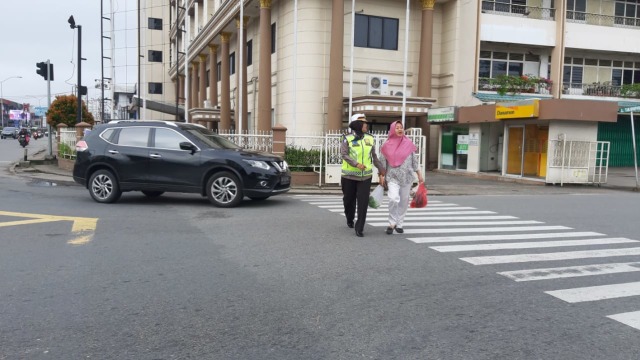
[512, 84]
[630, 90]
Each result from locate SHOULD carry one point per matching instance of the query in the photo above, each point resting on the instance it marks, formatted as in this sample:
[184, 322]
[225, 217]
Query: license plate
[285, 180]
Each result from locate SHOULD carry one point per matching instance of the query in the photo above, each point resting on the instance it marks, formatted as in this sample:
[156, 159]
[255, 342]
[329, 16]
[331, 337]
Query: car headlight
[258, 164]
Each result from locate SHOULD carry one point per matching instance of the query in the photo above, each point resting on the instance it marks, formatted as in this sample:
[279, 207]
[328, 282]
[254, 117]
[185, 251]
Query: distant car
[158, 156]
[9, 131]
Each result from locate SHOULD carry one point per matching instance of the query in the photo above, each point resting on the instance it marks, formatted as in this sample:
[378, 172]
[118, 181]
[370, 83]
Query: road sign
[630, 109]
[40, 110]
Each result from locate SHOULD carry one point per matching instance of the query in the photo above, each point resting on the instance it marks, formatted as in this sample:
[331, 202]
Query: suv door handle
[113, 152]
[155, 156]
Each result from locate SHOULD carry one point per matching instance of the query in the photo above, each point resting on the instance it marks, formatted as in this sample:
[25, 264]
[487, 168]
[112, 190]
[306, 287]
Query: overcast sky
[36, 30]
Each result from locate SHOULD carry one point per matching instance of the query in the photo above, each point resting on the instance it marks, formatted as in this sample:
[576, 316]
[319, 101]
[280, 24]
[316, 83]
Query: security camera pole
[72, 24]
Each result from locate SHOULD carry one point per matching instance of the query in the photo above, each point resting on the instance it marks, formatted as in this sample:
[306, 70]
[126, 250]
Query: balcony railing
[602, 19]
[487, 84]
[532, 12]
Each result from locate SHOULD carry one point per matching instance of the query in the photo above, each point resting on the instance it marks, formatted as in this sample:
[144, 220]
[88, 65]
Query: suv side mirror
[188, 146]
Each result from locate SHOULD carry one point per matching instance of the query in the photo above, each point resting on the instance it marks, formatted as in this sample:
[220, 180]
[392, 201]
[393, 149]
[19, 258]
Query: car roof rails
[143, 121]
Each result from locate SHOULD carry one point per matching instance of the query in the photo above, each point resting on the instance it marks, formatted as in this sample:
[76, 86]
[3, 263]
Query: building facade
[268, 62]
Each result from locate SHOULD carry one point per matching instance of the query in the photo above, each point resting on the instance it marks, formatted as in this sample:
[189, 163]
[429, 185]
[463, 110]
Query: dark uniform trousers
[356, 191]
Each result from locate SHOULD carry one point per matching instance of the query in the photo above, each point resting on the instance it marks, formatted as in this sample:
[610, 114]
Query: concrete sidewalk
[439, 182]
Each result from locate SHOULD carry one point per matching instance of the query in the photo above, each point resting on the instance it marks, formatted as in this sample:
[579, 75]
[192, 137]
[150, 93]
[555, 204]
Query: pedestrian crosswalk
[450, 228]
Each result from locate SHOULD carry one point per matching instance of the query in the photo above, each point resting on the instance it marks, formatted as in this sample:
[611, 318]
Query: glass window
[485, 69]
[376, 32]
[273, 38]
[210, 138]
[249, 52]
[232, 63]
[155, 88]
[168, 139]
[155, 56]
[134, 136]
[219, 69]
[498, 68]
[107, 134]
[155, 24]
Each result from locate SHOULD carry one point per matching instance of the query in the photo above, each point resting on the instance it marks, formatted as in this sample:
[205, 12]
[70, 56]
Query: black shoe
[399, 230]
[350, 224]
[359, 233]
[389, 230]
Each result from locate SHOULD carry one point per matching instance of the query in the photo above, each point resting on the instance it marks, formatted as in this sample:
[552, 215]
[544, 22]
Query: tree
[63, 111]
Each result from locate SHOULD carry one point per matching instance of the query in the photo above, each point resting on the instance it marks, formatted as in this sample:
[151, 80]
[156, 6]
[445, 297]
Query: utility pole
[49, 78]
[73, 25]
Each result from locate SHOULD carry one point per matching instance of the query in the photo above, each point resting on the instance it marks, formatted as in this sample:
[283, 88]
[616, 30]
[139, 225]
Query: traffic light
[42, 70]
[46, 73]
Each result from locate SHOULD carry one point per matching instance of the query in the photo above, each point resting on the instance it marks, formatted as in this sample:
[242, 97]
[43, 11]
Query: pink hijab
[397, 148]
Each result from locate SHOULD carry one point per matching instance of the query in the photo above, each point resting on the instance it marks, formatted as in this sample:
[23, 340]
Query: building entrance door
[514, 150]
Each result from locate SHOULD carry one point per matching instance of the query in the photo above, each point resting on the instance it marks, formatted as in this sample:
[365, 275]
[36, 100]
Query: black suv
[158, 156]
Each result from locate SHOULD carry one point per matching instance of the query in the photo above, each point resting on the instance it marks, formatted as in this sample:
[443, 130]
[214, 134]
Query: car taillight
[81, 146]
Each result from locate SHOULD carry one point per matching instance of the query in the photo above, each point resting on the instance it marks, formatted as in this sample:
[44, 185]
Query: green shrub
[300, 159]
[65, 151]
[630, 90]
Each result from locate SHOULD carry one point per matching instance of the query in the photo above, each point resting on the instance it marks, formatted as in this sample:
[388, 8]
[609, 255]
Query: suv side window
[168, 139]
[134, 136]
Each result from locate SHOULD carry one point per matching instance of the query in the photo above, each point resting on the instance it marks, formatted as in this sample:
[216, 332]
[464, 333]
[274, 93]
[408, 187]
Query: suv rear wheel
[103, 187]
[224, 190]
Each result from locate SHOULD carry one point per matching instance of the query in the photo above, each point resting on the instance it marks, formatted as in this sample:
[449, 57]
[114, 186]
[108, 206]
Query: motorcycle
[23, 140]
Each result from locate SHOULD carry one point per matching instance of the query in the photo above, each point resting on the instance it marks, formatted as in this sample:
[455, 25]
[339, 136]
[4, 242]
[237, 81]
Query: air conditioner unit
[399, 93]
[377, 85]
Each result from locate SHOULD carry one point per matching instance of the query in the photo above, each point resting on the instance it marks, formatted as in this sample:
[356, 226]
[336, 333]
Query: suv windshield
[212, 139]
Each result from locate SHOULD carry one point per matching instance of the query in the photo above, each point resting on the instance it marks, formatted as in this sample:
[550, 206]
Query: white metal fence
[67, 146]
[261, 141]
[585, 162]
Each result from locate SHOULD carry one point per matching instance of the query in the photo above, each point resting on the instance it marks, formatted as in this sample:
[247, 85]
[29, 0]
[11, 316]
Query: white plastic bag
[376, 197]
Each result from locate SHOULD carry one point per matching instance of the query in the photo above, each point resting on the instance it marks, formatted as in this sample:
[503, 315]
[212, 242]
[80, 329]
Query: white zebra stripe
[466, 212]
[629, 318]
[531, 245]
[452, 218]
[568, 255]
[459, 223]
[436, 239]
[571, 271]
[490, 229]
[595, 293]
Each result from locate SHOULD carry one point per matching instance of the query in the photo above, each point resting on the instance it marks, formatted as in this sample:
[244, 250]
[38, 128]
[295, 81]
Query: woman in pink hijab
[401, 162]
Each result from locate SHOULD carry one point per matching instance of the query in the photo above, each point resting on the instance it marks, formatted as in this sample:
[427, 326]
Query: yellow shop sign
[522, 109]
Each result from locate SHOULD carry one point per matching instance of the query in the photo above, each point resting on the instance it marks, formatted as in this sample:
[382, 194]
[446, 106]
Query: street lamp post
[2, 95]
[73, 25]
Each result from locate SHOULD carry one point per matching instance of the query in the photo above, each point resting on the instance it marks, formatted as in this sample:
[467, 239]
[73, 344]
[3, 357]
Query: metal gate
[333, 158]
[578, 162]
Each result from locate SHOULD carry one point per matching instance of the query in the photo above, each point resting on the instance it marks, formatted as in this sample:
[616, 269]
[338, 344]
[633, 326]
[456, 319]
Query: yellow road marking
[83, 228]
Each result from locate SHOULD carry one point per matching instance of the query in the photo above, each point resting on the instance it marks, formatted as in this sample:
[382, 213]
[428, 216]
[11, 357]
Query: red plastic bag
[420, 198]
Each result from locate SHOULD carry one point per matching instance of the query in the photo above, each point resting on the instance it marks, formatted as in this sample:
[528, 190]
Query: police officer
[358, 159]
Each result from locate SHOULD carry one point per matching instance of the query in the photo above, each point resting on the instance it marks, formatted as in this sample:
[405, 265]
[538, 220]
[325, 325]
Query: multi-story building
[157, 88]
[268, 62]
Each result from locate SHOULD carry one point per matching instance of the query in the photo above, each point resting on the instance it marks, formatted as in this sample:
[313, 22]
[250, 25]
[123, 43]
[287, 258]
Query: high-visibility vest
[359, 150]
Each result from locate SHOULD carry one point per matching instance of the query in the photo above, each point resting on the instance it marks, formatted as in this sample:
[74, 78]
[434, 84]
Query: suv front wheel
[224, 190]
[103, 187]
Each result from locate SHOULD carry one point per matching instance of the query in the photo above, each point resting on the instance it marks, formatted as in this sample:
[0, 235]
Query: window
[134, 136]
[273, 38]
[496, 63]
[219, 69]
[576, 9]
[232, 63]
[249, 52]
[376, 32]
[624, 73]
[155, 56]
[155, 24]
[627, 12]
[510, 6]
[207, 78]
[167, 139]
[572, 72]
[155, 88]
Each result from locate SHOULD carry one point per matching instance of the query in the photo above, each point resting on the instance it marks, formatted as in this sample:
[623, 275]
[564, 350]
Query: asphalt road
[175, 278]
